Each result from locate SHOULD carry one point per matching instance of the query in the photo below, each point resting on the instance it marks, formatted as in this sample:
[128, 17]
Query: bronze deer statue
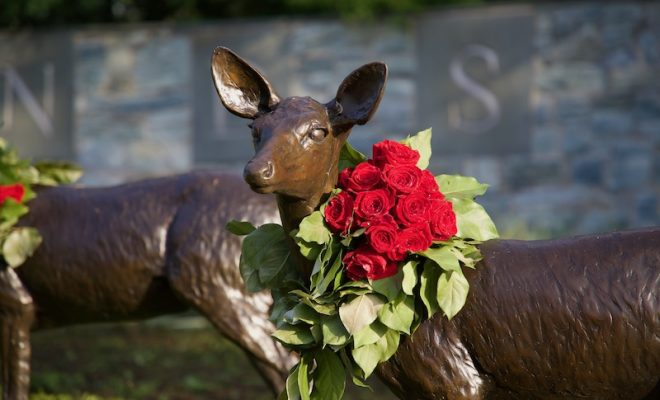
[135, 251]
[556, 319]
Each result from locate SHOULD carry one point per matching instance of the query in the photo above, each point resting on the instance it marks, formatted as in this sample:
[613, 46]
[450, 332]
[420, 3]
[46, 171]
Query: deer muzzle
[259, 174]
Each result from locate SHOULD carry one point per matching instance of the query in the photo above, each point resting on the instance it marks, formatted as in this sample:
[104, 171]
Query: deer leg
[242, 318]
[17, 316]
[236, 321]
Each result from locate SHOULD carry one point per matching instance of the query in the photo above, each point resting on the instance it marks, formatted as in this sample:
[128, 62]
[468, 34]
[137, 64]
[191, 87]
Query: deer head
[296, 140]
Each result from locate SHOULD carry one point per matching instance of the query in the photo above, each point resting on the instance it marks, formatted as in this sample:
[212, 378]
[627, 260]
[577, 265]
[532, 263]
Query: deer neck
[294, 210]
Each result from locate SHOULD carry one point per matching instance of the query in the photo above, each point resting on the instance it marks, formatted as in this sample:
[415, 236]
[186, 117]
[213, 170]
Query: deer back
[105, 250]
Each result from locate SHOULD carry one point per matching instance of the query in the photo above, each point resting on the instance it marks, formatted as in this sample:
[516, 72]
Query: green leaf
[429, 287]
[399, 314]
[330, 377]
[265, 259]
[452, 292]
[472, 221]
[422, 143]
[301, 313]
[369, 334]
[294, 335]
[57, 173]
[460, 187]
[334, 332]
[329, 275]
[360, 312]
[303, 377]
[388, 344]
[367, 357]
[310, 251]
[19, 245]
[409, 270]
[292, 390]
[444, 257]
[312, 229]
[349, 157]
[11, 210]
[319, 307]
[240, 228]
[389, 287]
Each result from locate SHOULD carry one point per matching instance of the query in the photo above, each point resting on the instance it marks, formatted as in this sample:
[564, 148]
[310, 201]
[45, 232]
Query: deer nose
[257, 173]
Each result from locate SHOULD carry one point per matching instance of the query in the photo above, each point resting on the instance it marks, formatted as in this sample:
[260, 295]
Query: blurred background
[555, 104]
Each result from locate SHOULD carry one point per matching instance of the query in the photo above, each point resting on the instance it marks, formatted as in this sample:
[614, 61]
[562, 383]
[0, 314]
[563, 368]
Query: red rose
[403, 178]
[383, 235]
[443, 221]
[394, 153]
[339, 212]
[364, 262]
[15, 191]
[413, 209]
[415, 239]
[372, 204]
[428, 182]
[365, 176]
[344, 177]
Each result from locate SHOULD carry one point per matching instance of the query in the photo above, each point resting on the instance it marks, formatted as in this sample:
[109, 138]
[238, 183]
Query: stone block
[522, 172]
[630, 168]
[588, 170]
[611, 122]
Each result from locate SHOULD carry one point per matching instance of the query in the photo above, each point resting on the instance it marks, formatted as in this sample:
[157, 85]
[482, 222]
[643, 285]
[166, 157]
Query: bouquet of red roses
[397, 204]
[389, 234]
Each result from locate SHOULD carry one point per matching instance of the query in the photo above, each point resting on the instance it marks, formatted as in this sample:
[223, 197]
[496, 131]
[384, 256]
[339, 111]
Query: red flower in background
[15, 191]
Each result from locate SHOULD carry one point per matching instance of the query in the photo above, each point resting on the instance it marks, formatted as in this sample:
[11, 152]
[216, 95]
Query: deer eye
[317, 134]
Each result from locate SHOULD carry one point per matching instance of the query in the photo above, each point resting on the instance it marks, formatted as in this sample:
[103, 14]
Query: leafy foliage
[340, 325]
[17, 176]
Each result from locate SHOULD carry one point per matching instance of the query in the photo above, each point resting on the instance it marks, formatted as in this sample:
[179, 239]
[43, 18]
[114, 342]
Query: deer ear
[359, 94]
[242, 89]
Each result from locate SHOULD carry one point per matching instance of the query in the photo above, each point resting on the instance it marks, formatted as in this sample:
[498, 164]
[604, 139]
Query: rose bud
[372, 205]
[403, 178]
[364, 262]
[394, 153]
[365, 176]
[414, 239]
[443, 221]
[413, 209]
[339, 212]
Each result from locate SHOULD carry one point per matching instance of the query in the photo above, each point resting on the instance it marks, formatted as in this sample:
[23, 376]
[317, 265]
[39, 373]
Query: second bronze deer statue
[136, 251]
[557, 319]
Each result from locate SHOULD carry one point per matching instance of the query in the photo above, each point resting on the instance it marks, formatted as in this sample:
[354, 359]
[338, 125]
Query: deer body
[136, 251]
[572, 318]
[575, 318]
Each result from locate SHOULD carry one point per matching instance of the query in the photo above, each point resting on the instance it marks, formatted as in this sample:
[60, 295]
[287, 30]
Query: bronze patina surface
[135, 251]
[556, 319]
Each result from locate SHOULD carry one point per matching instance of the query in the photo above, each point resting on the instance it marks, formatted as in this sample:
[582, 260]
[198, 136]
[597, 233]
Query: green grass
[165, 359]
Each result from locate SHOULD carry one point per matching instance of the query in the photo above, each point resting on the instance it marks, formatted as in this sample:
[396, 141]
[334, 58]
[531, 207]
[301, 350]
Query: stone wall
[580, 113]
